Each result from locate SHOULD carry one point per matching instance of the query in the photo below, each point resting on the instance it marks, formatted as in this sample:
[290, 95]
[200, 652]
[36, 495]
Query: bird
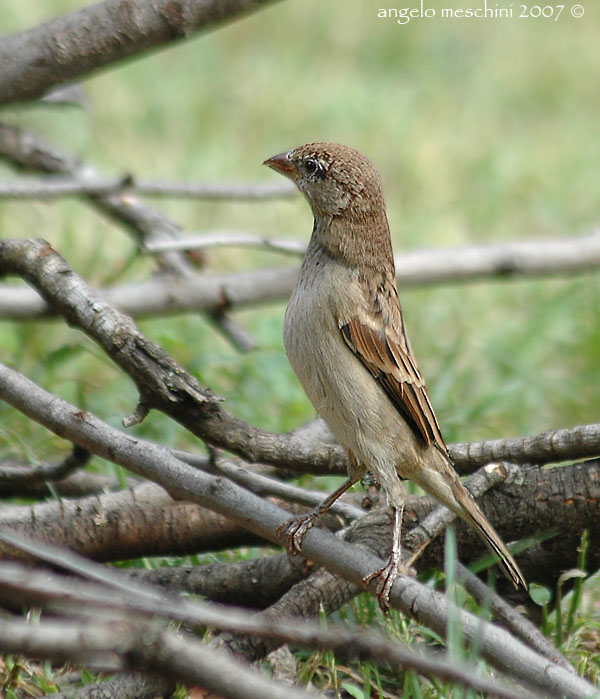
[346, 340]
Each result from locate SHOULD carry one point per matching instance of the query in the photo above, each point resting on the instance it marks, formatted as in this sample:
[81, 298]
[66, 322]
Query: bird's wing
[378, 338]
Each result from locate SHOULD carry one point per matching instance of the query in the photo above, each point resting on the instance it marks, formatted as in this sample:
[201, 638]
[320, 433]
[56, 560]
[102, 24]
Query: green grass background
[484, 131]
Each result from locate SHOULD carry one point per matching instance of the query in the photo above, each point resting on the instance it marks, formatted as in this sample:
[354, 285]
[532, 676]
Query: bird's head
[336, 180]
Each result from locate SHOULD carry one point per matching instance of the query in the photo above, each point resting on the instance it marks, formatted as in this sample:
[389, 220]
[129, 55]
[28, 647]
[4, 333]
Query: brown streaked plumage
[345, 337]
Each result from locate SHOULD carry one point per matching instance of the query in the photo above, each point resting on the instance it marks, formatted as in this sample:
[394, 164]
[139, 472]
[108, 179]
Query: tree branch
[143, 521]
[83, 41]
[413, 269]
[52, 187]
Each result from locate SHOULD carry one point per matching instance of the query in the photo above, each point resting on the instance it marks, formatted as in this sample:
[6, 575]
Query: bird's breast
[338, 385]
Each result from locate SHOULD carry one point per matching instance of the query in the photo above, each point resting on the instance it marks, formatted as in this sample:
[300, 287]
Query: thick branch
[76, 485]
[78, 43]
[144, 521]
[255, 583]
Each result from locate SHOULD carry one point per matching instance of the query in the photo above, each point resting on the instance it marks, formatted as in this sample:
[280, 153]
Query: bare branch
[242, 239]
[516, 622]
[143, 521]
[564, 256]
[255, 582]
[165, 295]
[552, 446]
[413, 269]
[83, 41]
[78, 484]
[19, 477]
[52, 187]
[262, 485]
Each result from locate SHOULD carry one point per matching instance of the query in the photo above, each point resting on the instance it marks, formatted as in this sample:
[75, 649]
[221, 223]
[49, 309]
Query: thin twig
[262, 485]
[53, 186]
[240, 239]
[413, 269]
[15, 477]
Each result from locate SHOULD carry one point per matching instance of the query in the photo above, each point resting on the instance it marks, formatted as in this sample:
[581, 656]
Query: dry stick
[519, 624]
[73, 596]
[11, 477]
[262, 485]
[143, 521]
[53, 186]
[145, 223]
[255, 583]
[68, 47]
[77, 485]
[423, 267]
[351, 562]
[243, 239]
[140, 646]
[165, 296]
[551, 446]
[167, 386]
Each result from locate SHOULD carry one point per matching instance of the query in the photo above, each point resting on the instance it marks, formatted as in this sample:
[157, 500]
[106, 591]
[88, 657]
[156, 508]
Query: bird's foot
[292, 532]
[386, 576]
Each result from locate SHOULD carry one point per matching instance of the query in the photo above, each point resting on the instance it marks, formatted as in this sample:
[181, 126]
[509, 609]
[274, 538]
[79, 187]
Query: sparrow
[345, 337]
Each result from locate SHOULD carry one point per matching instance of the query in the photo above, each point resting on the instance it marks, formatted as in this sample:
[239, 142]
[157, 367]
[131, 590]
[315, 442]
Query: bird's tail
[508, 564]
[445, 485]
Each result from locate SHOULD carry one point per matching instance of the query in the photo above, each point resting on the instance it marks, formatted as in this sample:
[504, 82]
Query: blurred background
[484, 130]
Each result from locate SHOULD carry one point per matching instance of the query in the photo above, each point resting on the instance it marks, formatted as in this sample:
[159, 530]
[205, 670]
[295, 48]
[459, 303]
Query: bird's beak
[283, 164]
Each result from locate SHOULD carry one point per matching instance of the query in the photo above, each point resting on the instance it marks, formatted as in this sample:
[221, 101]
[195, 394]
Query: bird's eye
[313, 167]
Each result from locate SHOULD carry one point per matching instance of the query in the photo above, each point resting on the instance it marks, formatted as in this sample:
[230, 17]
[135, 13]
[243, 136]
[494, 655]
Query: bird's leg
[388, 574]
[292, 532]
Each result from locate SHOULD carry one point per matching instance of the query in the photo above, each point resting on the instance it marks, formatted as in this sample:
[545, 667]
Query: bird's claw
[386, 577]
[292, 532]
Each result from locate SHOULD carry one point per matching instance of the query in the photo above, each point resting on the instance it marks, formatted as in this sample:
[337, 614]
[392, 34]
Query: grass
[483, 130]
